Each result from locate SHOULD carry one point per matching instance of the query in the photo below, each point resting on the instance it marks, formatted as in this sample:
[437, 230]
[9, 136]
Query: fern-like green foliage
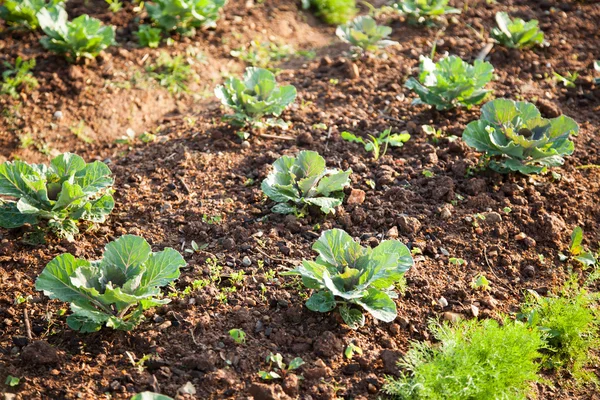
[571, 321]
[475, 360]
[333, 12]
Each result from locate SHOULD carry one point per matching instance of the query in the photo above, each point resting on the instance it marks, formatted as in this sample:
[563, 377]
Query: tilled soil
[197, 182]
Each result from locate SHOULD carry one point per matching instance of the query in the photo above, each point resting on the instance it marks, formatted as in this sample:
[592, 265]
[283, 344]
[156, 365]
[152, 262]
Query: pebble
[474, 310]
[245, 144]
[520, 236]
[357, 196]
[445, 213]
[58, 114]
[451, 316]
[529, 271]
[443, 302]
[246, 261]
[392, 233]
[492, 217]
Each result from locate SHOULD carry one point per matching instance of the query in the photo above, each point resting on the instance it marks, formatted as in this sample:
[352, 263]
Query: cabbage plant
[516, 33]
[364, 33]
[82, 37]
[423, 10]
[254, 97]
[451, 82]
[302, 181]
[115, 290]
[184, 15]
[24, 12]
[517, 138]
[66, 191]
[350, 277]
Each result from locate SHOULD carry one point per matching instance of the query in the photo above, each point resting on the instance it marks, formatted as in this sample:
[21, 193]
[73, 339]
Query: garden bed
[198, 182]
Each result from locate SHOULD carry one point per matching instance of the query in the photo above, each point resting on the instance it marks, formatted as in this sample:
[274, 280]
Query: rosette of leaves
[66, 191]
[424, 10]
[364, 33]
[353, 278]
[115, 290]
[518, 138]
[451, 82]
[24, 12]
[333, 12]
[302, 181]
[254, 97]
[82, 37]
[516, 33]
[184, 16]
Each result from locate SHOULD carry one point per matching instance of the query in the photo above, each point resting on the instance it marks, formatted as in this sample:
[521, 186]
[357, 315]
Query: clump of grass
[173, 73]
[571, 322]
[333, 12]
[475, 360]
[18, 77]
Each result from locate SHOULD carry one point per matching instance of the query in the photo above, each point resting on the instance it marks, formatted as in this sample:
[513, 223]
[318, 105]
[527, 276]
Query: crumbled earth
[198, 182]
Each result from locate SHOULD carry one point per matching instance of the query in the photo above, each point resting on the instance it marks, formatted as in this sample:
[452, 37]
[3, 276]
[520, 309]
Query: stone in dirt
[357, 196]
[328, 345]
[390, 360]
[40, 353]
[262, 391]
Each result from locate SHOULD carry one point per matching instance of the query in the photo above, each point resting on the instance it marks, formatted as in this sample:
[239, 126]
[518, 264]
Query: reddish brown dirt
[165, 189]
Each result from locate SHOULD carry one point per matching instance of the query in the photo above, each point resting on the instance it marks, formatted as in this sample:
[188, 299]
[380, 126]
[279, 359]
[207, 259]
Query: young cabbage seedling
[66, 191]
[350, 277]
[516, 33]
[82, 37]
[333, 12]
[184, 16]
[519, 139]
[254, 97]
[148, 36]
[114, 291]
[238, 336]
[451, 82]
[385, 138]
[278, 369]
[423, 11]
[364, 33]
[302, 181]
[18, 77]
[24, 12]
[577, 251]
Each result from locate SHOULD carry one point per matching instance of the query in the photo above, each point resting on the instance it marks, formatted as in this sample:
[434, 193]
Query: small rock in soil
[304, 139]
[409, 224]
[392, 233]
[357, 196]
[452, 316]
[188, 388]
[328, 345]
[529, 271]
[476, 186]
[492, 217]
[291, 385]
[262, 391]
[317, 373]
[20, 341]
[201, 362]
[40, 353]
[390, 360]
[547, 108]
[246, 261]
[445, 213]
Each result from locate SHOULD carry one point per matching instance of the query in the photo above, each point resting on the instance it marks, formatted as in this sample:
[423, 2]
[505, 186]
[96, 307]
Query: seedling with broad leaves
[297, 183]
[517, 33]
[374, 144]
[278, 369]
[255, 96]
[66, 191]
[451, 82]
[577, 251]
[115, 290]
[334, 12]
[364, 33]
[184, 16]
[18, 77]
[23, 13]
[516, 136]
[83, 37]
[148, 36]
[353, 278]
[423, 11]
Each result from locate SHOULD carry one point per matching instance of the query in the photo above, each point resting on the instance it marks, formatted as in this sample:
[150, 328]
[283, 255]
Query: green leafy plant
[12, 381]
[24, 12]
[352, 349]
[238, 336]
[173, 73]
[255, 96]
[82, 37]
[333, 12]
[519, 138]
[597, 68]
[474, 360]
[18, 77]
[570, 323]
[184, 16]
[115, 290]
[350, 277]
[62, 193]
[480, 282]
[385, 138]
[263, 54]
[424, 10]
[577, 251]
[451, 82]
[568, 80]
[278, 369]
[114, 5]
[516, 33]
[302, 181]
[364, 33]
[148, 36]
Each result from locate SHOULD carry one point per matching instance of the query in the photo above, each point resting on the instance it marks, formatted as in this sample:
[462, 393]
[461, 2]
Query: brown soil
[167, 191]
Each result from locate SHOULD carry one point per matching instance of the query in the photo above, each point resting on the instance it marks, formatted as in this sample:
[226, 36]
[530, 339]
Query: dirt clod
[40, 353]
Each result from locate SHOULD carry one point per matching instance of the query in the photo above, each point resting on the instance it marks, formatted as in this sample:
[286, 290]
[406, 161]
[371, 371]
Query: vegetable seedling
[238, 336]
[516, 33]
[374, 144]
[277, 367]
